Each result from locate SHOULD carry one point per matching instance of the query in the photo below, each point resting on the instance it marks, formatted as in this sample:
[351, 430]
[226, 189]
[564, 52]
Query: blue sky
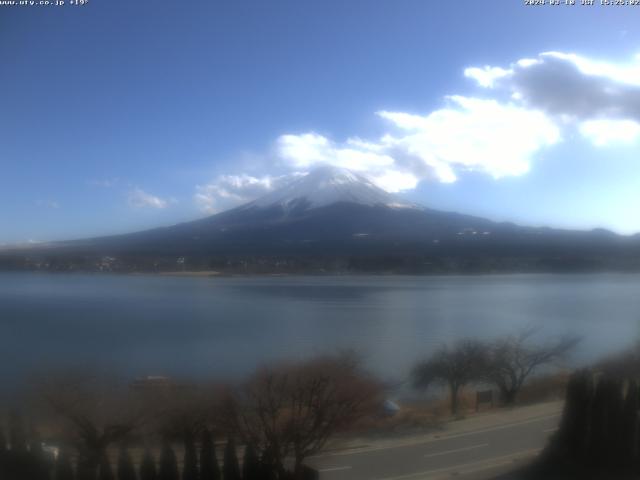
[120, 115]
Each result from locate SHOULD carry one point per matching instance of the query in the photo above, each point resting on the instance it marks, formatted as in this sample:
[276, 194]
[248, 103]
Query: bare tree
[290, 412]
[182, 411]
[183, 415]
[513, 359]
[454, 367]
[96, 413]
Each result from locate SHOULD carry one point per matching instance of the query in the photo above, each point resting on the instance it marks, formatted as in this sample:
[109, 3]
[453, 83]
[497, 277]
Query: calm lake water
[207, 327]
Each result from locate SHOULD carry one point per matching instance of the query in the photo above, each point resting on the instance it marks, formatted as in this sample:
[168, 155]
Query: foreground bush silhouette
[23, 458]
[209, 469]
[40, 462]
[63, 469]
[190, 463]
[168, 463]
[231, 468]
[17, 434]
[629, 430]
[251, 464]
[126, 470]
[3, 441]
[598, 434]
[105, 472]
[96, 412]
[148, 466]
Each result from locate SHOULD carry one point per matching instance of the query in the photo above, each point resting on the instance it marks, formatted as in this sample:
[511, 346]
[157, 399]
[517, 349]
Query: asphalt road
[455, 454]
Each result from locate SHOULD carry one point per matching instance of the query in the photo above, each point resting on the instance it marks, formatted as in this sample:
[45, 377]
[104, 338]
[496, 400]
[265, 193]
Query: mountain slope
[334, 213]
[325, 186]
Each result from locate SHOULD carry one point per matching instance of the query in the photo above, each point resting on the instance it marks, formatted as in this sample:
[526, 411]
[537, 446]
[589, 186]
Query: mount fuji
[325, 186]
[335, 219]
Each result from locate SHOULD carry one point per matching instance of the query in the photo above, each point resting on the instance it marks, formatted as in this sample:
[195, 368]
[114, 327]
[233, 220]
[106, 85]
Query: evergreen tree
[17, 460]
[209, 469]
[87, 468]
[17, 435]
[268, 467]
[126, 470]
[629, 430]
[39, 461]
[105, 472]
[615, 418]
[168, 463]
[251, 464]
[63, 469]
[572, 434]
[231, 468]
[190, 465]
[3, 454]
[148, 466]
[3, 441]
[598, 437]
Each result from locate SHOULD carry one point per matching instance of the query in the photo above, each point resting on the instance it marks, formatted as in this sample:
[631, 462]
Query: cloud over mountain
[524, 107]
[227, 191]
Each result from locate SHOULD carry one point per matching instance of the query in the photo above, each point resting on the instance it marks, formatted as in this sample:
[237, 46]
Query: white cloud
[624, 73]
[606, 132]
[470, 135]
[499, 139]
[487, 75]
[311, 149]
[303, 150]
[228, 191]
[473, 135]
[138, 198]
[569, 85]
[530, 104]
[394, 180]
[306, 150]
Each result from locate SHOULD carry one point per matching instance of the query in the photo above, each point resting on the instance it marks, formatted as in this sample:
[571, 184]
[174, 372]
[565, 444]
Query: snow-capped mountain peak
[327, 185]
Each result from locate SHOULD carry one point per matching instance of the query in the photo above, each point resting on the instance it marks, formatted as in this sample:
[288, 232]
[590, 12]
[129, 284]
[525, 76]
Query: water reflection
[224, 326]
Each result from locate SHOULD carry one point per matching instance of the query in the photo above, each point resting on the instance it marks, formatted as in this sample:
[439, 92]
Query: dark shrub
[209, 469]
[231, 468]
[168, 463]
[148, 466]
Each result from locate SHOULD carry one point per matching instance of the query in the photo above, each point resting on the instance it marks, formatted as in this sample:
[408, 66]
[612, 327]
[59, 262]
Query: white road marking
[464, 449]
[438, 438]
[549, 430]
[469, 467]
[333, 469]
[499, 427]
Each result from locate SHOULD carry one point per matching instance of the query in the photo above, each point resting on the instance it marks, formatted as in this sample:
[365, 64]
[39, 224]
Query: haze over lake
[207, 327]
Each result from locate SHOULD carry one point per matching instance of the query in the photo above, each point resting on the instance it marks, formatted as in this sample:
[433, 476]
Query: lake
[220, 327]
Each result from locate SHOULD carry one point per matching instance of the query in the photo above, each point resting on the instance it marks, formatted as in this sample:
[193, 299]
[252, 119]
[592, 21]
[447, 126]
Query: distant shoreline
[222, 274]
[210, 273]
[192, 273]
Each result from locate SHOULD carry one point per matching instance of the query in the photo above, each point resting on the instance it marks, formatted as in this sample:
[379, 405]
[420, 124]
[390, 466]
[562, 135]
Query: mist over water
[224, 327]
